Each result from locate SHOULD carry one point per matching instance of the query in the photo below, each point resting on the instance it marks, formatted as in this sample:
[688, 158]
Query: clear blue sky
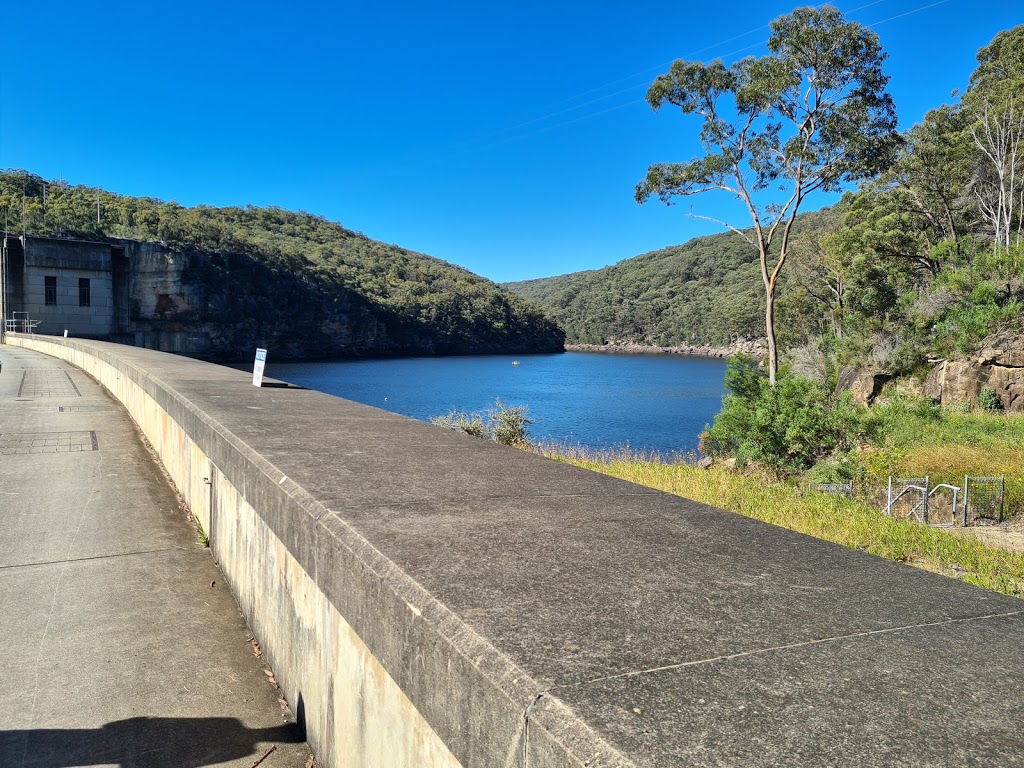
[505, 137]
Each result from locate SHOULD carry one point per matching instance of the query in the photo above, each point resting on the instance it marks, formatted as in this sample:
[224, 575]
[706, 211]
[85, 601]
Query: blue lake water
[656, 402]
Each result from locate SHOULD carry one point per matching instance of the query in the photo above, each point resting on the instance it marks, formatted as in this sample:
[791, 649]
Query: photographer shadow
[144, 742]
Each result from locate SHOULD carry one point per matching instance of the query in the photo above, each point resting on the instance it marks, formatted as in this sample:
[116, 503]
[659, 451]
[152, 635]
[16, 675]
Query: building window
[84, 298]
[50, 284]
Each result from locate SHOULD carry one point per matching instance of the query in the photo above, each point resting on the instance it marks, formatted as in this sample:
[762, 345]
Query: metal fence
[980, 501]
[908, 498]
[840, 489]
[20, 322]
[984, 500]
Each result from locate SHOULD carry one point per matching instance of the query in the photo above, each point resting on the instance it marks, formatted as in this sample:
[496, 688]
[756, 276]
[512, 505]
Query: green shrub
[508, 424]
[989, 401]
[461, 422]
[505, 424]
[787, 427]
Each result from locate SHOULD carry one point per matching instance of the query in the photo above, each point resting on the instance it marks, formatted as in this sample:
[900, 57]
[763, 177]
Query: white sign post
[257, 369]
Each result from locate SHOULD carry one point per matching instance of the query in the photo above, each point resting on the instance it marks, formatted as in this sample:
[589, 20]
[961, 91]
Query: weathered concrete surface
[120, 643]
[533, 613]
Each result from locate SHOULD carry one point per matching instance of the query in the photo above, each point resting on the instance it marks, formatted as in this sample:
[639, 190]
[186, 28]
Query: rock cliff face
[220, 306]
[864, 386]
[999, 367]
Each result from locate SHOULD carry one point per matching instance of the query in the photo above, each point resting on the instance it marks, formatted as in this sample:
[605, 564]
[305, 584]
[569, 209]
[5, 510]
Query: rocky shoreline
[756, 348]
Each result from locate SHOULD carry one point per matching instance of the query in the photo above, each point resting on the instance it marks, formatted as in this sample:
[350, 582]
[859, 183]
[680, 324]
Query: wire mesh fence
[908, 498]
[981, 501]
[840, 489]
[984, 500]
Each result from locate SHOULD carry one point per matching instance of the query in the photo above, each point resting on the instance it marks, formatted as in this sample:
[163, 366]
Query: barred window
[50, 286]
[84, 296]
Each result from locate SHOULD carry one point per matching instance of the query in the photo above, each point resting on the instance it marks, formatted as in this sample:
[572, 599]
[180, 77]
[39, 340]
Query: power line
[513, 133]
[656, 68]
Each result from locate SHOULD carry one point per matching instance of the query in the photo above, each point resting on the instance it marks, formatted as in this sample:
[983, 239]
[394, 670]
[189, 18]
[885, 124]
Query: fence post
[967, 485]
[888, 500]
[1002, 496]
[927, 489]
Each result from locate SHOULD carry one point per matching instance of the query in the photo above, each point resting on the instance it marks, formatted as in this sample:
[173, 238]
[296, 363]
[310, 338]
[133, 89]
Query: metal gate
[984, 500]
[908, 498]
[915, 498]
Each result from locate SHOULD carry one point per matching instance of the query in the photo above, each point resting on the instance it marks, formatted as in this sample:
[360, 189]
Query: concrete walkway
[120, 644]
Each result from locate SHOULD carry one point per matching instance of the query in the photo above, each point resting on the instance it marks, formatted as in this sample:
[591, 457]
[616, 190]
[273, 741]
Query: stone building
[58, 284]
[118, 290]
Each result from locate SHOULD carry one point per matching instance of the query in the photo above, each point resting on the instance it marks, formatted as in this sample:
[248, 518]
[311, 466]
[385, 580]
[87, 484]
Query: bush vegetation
[798, 430]
[441, 307]
[504, 424]
[787, 428]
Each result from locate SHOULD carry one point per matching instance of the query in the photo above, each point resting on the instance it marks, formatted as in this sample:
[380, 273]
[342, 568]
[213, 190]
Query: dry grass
[958, 444]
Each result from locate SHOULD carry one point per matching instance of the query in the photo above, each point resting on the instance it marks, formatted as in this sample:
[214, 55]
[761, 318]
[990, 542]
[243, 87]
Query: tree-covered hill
[923, 263]
[424, 305]
[704, 292]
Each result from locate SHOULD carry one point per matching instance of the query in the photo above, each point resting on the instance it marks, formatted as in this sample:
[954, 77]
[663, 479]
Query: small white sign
[257, 369]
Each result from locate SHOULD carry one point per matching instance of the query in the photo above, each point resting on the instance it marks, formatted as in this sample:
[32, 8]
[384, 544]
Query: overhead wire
[688, 56]
[515, 132]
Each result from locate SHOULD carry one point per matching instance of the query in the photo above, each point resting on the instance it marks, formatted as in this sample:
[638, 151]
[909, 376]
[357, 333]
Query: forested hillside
[927, 261]
[427, 305]
[704, 292]
[924, 262]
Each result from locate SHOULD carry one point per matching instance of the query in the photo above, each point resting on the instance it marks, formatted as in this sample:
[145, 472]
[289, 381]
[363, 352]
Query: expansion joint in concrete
[98, 557]
[778, 648]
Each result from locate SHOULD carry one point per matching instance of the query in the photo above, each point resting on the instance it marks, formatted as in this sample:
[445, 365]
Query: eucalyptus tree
[995, 108]
[998, 183]
[810, 116]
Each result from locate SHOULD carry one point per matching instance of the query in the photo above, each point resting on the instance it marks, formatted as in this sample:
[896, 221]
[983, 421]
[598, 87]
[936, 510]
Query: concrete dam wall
[426, 598]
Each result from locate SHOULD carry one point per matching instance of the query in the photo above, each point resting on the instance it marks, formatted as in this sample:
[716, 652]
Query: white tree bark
[999, 186]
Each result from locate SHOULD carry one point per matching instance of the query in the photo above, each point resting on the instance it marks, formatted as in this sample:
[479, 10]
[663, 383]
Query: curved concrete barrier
[429, 599]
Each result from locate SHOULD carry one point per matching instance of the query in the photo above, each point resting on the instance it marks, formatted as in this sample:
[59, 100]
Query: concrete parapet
[430, 599]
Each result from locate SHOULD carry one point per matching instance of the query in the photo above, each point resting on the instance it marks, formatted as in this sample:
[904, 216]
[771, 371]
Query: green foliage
[989, 401]
[705, 292]
[999, 77]
[913, 437]
[509, 424]
[787, 427]
[811, 116]
[887, 278]
[505, 424]
[426, 305]
[456, 421]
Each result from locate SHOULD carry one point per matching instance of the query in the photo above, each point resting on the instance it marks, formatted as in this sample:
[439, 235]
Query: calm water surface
[648, 402]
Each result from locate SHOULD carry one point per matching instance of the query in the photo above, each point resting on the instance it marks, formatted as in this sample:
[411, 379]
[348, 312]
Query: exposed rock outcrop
[756, 348]
[999, 367]
[864, 385]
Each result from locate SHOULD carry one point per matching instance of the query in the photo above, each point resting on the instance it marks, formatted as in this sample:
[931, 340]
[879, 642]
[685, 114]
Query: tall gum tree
[810, 116]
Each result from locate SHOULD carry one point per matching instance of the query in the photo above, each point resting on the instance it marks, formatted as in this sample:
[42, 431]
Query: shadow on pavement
[144, 742]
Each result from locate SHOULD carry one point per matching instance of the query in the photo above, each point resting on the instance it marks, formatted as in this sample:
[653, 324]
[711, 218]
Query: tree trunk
[769, 327]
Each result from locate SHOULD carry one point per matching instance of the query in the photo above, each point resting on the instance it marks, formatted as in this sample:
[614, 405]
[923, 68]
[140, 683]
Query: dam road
[120, 643]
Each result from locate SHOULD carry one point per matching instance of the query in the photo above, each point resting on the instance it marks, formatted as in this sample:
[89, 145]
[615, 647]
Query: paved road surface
[120, 644]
